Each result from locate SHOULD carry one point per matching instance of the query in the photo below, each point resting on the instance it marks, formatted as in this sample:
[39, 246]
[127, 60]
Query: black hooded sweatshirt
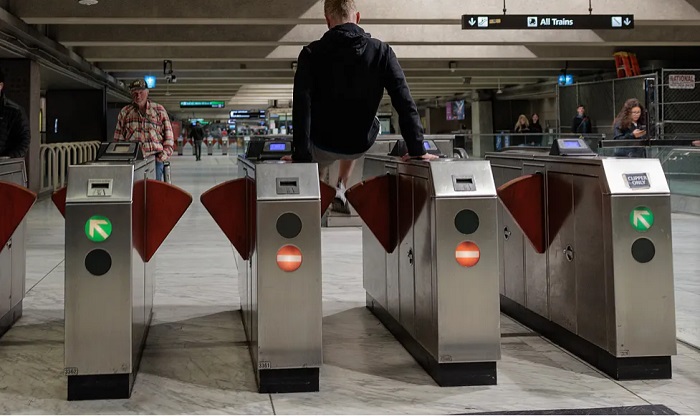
[338, 86]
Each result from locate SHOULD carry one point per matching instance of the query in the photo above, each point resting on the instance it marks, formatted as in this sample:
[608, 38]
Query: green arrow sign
[642, 218]
[98, 228]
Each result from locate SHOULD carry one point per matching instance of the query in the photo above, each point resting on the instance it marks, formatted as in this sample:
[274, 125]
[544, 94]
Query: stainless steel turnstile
[430, 262]
[383, 146]
[593, 270]
[15, 201]
[272, 215]
[117, 216]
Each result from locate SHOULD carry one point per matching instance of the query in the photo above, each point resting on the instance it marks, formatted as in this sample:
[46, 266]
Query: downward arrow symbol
[627, 21]
[95, 226]
[472, 22]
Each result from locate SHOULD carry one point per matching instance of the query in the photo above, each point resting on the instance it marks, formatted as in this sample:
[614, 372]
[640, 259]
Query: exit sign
[547, 21]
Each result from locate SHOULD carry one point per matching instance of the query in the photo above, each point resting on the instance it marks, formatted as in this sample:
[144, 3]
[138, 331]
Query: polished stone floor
[196, 359]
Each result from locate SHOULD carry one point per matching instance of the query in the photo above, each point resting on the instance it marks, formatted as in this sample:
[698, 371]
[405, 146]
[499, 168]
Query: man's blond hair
[339, 9]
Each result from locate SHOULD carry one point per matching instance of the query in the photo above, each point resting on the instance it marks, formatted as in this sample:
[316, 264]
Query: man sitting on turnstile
[342, 76]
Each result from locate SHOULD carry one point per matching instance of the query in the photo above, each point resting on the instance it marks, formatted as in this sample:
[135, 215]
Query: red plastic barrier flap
[523, 198]
[138, 216]
[232, 205]
[327, 195]
[59, 200]
[375, 202]
[165, 205]
[16, 202]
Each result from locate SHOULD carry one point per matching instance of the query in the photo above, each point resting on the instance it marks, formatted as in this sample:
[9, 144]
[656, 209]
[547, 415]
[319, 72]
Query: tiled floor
[196, 359]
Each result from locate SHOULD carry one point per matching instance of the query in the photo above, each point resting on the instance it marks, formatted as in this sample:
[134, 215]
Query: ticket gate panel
[468, 317]
[513, 242]
[18, 201]
[609, 271]
[287, 340]
[534, 264]
[592, 308]
[438, 208]
[5, 284]
[562, 283]
[643, 328]
[89, 348]
[280, 277]
[407, 272]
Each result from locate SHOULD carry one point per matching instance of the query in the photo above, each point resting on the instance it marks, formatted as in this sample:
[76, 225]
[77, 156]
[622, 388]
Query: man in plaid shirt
[148, 123]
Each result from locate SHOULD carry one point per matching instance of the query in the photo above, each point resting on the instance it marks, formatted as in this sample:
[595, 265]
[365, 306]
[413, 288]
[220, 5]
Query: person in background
[148, 123]
[581, 123]
[346, 72]
[15, 135]
[628, 126]
[535, 128]
[521, 127]
[197, 135]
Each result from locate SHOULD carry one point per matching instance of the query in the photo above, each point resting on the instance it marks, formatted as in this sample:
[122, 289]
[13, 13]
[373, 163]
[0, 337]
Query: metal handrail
[55, 158]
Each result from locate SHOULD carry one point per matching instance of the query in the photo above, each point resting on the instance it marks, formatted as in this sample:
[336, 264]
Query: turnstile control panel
[571, 147]
[119, 151]
[463, 183]
[400, 148]
[269, 149]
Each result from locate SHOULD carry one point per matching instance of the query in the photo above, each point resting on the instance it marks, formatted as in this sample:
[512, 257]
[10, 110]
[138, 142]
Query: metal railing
[56, 157]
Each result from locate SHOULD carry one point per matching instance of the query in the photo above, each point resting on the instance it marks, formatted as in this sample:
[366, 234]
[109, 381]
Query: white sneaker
[340, 192]
[340, 203]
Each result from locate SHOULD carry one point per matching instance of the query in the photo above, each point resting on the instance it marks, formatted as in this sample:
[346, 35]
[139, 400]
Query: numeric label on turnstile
[264, 365]
[71, 371]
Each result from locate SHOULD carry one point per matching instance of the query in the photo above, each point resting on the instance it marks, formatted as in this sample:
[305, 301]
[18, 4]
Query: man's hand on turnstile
[696, 143]
[286, 158]
[426, 156]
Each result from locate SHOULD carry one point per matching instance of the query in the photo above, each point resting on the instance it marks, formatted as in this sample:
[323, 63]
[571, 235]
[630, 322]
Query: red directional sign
[467, 254]
[289, 258]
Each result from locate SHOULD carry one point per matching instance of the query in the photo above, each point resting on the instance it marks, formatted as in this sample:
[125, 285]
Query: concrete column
[482, 123]
[23, 86]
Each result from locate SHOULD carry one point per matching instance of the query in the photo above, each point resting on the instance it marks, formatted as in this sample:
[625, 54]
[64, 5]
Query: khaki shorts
[325, 159]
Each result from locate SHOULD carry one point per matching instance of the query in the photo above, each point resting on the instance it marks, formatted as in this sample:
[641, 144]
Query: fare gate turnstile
[117, 216]
[15, 202]
[587, 256]
[272, 216]
[437, 144]
[430, 261]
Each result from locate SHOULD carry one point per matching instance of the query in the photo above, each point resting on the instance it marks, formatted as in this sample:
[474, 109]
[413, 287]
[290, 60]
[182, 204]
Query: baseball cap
[138, 84]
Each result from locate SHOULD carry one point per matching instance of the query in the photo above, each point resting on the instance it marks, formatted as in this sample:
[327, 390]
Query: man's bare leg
[345, 168]
[340, 203]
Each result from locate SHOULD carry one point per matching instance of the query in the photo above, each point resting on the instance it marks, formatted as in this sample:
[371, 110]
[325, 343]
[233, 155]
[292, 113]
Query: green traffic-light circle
[642, 218]
[98, 228]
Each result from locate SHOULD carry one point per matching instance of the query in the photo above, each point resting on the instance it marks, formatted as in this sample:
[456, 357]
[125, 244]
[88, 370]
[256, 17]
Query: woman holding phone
[628, 126]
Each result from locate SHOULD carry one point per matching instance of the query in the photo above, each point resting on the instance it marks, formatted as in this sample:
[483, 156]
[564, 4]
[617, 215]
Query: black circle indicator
[643, 250]
[289, 225]
[467, 222]
[98, 262]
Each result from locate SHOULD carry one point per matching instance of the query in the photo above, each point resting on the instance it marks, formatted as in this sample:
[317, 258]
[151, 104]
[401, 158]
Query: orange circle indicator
[289, 258]
[467, 254]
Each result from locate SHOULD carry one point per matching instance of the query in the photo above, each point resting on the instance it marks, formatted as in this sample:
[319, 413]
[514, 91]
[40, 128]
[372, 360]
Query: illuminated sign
[202, 104]
[150, 81]
[246, 114]
[548, 21]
